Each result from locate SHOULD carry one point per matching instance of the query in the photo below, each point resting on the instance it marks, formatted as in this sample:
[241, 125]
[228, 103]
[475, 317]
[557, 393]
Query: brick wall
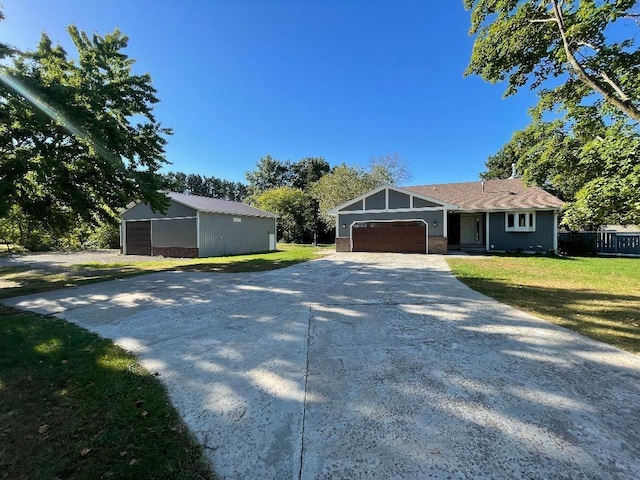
[343, 244]
[178, 252]
[438, 245]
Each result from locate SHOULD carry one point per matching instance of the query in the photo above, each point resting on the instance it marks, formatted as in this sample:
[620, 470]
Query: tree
[78, 139]
[587, 77]
[195, 184]
[389, 169]
[307, 171]
[531, 42]
[270, 173]
[295, 208]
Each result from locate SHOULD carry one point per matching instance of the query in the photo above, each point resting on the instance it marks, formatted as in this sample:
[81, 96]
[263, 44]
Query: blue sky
[346, 80]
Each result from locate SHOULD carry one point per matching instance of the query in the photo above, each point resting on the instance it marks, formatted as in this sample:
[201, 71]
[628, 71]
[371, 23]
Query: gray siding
[348, 218]
[541, 239]
[174, 233]
[354, 206]
[376, 202]
[399, 200]
[421, 203]
[220, 235]
[143, 212]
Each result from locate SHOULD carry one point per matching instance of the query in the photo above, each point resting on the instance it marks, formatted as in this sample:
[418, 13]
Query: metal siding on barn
[376, 201]
[221, 235]
[144, 212]
[540, 240]
[399, 200]
[344, 221]
[176, 232]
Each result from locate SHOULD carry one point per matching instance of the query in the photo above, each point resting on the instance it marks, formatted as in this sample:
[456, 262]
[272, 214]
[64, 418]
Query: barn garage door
[138, 238]
[401, 237]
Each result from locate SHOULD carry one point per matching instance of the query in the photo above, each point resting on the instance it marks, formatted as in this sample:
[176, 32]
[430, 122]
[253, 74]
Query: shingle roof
[216, 205]
[507, 194]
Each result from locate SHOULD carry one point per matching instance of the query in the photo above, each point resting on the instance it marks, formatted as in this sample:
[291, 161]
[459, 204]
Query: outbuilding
[195, 226]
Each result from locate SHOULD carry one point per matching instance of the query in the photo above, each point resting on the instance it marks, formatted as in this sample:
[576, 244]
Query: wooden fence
[582, 243]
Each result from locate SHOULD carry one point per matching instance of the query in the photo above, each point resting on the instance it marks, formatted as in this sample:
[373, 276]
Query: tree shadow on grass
[611, 318]
[73, 405]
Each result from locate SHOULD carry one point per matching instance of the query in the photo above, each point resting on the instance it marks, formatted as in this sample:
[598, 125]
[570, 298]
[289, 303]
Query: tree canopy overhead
[78, 137]
[582, 60]
[533, 41]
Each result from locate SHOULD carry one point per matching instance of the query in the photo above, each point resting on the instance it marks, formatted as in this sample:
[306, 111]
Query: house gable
[388, 198]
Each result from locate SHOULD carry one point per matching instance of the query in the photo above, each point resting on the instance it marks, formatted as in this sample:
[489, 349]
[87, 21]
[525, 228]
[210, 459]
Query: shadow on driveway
[369, 366]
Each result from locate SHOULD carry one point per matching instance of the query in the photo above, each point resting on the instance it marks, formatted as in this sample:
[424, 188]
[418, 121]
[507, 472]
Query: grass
[75, 406]
[598, 297]
[22, 280]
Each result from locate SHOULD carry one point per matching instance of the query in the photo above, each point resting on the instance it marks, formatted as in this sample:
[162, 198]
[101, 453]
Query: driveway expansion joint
[304, 403]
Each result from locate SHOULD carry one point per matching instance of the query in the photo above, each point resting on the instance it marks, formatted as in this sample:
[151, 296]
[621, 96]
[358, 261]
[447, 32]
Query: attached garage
[195, 226]
[391, 219]
[394, 236]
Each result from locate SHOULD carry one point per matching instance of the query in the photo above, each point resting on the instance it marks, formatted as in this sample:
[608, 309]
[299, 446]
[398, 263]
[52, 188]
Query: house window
[520, 221]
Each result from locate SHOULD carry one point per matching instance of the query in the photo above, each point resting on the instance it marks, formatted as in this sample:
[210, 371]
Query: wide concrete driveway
[370, 366]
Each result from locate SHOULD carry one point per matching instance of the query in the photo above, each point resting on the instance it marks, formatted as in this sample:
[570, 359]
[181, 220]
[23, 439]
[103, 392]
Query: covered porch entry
[467, 231]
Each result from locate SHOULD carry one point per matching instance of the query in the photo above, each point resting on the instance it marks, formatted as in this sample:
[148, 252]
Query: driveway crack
[304, 403]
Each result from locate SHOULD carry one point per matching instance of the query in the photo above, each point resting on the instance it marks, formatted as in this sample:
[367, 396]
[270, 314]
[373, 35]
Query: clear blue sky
[346, 80]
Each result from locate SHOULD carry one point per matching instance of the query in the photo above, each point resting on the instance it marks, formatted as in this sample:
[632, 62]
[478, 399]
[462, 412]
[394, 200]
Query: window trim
[529, 220]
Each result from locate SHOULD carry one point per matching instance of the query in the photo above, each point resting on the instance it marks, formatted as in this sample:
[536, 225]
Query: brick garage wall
[178, 252]
[343, 244]
[438, 245]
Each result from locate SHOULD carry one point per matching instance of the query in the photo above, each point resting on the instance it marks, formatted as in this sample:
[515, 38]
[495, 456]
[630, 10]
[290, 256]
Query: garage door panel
[409, 237]
[138, 238]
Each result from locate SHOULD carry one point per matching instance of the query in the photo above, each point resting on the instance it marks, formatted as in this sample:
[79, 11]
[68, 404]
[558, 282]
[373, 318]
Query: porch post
[486, 231]
[555, 231]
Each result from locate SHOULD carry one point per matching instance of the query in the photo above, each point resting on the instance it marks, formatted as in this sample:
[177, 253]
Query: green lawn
[75, 406]
[598, 297]
[21, 280]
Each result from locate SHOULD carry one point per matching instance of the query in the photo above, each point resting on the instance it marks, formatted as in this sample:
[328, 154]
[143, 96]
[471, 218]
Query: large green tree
[78, 137]
[346, 182]
[581, 59]
[577, 43]
[295, 209]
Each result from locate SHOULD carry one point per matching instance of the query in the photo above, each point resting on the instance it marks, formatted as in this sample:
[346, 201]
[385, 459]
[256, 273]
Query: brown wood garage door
[139, 238]
[401, 237]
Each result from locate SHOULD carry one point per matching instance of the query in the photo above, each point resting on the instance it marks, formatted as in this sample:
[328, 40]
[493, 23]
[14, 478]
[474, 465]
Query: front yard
[21, 279]
[598, 297]
[75, 406]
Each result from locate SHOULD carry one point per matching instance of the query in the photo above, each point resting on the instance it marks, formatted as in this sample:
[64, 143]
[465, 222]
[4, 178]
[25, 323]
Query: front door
[471, 230]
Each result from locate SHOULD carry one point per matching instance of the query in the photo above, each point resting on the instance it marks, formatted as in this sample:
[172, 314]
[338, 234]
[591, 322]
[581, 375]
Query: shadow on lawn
[73, 405]
[23, 280]
[611, 318]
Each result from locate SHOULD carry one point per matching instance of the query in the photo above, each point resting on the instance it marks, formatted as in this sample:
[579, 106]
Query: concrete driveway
[370, 366]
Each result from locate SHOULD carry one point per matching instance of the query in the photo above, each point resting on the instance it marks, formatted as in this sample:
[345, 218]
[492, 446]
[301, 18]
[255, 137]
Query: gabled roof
[216, 205]
[405, 190]
[507, 194]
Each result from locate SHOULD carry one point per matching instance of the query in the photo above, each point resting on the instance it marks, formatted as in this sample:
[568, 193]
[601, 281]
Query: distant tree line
[195, 184]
